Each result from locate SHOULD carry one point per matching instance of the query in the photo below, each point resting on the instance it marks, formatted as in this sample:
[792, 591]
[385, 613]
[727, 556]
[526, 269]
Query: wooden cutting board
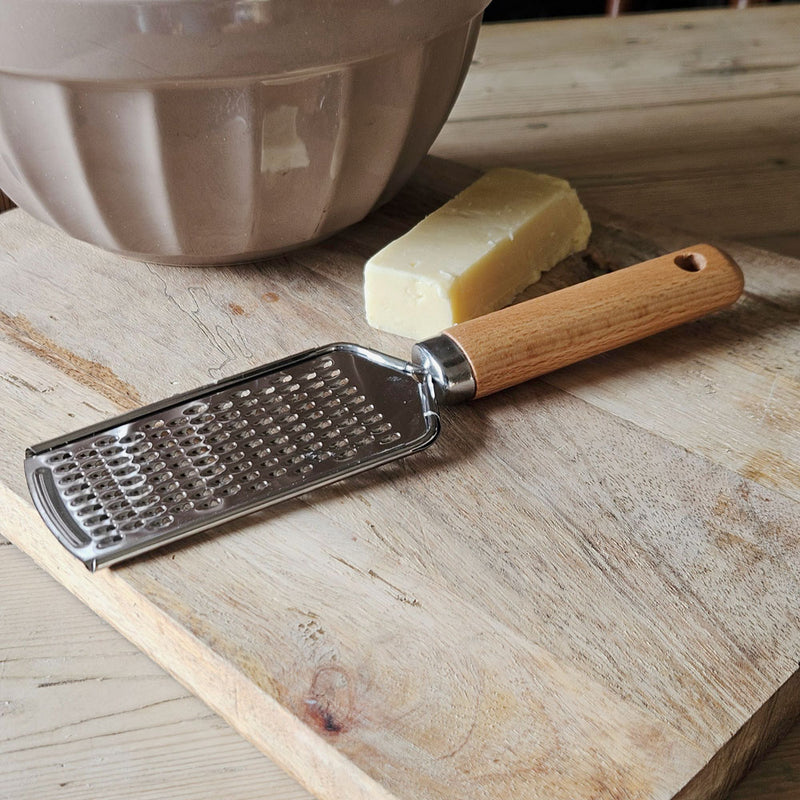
[587, 589]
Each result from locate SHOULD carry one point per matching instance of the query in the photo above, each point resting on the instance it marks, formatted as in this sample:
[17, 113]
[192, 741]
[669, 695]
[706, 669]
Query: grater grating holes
[209, 504]
[58, 458]
[132, 438]
[219, 481]
[243, 440]
[75, 489]
[108, 541]
[131, 525]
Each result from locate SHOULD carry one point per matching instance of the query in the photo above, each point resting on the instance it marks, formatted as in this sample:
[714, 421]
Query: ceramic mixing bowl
[213, 131]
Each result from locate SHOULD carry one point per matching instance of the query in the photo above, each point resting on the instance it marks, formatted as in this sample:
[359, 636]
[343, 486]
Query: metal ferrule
[448, 367]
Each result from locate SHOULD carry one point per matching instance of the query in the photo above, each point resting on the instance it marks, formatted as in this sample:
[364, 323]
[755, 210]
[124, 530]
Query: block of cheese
[475, 253]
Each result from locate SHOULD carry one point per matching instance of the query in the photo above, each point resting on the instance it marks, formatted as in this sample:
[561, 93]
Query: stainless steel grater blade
[199, 459]
[178, 467]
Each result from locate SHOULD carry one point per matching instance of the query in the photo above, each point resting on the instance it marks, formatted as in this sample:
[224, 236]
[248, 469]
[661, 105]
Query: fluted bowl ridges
[215, 131]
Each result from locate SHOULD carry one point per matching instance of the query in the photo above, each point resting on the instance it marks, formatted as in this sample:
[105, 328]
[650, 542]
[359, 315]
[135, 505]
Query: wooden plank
[88, 715]
[630, 616]
[679, 57]
[746, 137]
[641, 157]
[145, 737]
[689, 118]
[776, 777]
[745, 391]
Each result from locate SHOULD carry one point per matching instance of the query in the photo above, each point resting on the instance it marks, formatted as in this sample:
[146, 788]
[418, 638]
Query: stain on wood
[91, 374]
[329, 701]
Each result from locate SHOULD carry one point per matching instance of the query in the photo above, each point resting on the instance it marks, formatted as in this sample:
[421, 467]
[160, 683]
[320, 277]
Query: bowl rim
[147, 41]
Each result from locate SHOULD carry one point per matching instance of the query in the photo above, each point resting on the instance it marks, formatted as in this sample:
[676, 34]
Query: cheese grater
[196, 460]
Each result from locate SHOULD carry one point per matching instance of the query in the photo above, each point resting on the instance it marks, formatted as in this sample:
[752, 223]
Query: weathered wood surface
[63, 697]
[585, 587]
[692, 119]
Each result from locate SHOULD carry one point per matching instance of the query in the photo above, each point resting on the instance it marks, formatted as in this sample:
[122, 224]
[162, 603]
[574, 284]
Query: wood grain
[687, 118]
[613, 633]
[87, 715]
[149, 738]
[532, 338]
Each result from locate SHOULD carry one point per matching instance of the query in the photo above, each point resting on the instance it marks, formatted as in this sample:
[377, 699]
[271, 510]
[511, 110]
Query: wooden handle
[538, 336]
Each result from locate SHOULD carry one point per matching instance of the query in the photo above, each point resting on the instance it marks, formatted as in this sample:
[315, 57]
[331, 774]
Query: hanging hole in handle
[691, 262]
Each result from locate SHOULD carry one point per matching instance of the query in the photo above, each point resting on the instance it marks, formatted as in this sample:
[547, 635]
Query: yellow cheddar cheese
[475, 253]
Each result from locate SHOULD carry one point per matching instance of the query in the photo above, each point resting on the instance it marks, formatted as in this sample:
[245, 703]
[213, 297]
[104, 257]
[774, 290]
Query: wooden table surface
[691, 118]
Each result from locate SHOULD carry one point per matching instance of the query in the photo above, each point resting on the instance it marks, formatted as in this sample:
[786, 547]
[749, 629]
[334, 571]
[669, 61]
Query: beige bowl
[214, 131]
